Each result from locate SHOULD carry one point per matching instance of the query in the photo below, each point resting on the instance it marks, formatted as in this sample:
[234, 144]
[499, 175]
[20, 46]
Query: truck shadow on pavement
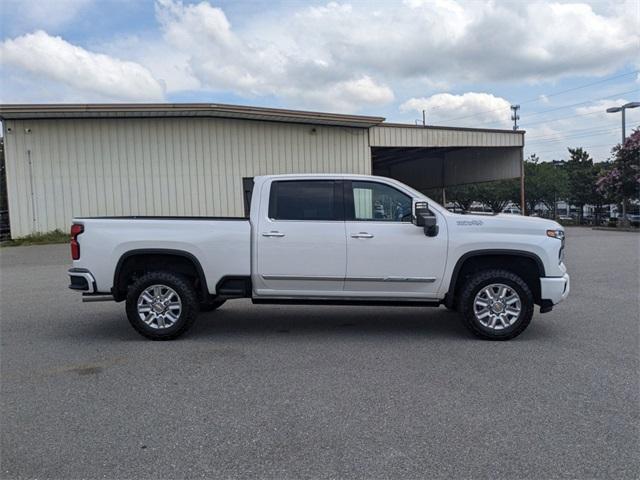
[241, 318]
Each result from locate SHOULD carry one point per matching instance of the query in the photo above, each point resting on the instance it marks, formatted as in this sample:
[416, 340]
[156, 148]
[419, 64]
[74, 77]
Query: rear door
[387, 255]
[301, 243]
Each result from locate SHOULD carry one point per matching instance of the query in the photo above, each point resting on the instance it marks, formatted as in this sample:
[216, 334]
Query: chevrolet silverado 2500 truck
[324, 239]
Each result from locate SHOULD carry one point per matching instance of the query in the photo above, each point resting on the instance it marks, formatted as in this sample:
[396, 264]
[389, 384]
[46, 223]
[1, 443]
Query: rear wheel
[161, 305]
[496, 304]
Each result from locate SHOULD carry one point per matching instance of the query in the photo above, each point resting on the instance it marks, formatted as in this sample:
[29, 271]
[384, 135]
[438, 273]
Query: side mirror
[424, 218]
[420, 210]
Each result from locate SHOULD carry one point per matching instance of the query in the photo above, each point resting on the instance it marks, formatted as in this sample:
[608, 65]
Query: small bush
[55, 236]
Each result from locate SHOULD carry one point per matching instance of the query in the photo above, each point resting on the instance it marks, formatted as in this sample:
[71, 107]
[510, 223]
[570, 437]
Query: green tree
[463, 195]
[581, 179]
[601, 197]
[621, 181]
[496, 195]
[544, 182]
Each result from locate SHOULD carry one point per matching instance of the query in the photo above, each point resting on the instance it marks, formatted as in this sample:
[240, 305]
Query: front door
[387, 255]
[301, 240]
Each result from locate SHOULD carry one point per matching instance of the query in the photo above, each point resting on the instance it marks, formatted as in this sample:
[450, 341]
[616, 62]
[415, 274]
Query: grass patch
[55, 236]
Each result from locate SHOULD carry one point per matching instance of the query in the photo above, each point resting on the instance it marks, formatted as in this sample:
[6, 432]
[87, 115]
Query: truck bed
[221, 245]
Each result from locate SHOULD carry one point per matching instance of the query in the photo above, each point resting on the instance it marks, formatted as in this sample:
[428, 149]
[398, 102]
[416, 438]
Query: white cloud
[463, 41]
[55, 59]
[335, 56]
[316, 55]
[470, 109]
[222, 59]
[170, 66]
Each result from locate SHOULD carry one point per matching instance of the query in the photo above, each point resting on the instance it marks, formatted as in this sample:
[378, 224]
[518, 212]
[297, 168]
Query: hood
[506, 223]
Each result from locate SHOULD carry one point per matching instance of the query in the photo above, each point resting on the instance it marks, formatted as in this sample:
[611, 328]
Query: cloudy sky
[463, 61]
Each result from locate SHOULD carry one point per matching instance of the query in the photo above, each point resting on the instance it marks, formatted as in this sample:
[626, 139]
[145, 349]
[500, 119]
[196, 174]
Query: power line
[563, 118]
[583, 147]
[578, 135]
[564, 132]
[590, 84]
[567, 106]
[538, 99]
[582, 103]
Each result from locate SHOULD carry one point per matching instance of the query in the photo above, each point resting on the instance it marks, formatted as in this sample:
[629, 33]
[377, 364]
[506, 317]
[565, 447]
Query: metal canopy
[437, 167]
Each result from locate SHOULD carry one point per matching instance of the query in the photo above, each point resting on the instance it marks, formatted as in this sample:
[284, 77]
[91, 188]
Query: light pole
[622, 109]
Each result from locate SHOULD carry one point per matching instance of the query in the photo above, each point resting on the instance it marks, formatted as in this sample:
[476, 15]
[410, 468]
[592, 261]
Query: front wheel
[161, 305]
[496, 304]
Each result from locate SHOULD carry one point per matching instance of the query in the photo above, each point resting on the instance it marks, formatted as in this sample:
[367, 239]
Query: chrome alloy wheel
[159, 306]
[497, 306]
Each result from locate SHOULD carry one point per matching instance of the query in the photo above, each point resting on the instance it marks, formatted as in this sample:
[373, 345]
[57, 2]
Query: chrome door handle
[361, 235]
[272, 234]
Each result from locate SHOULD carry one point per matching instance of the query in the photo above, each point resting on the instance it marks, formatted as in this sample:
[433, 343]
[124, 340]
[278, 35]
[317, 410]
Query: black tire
[186, 293]
[487, 277]
[211, 306]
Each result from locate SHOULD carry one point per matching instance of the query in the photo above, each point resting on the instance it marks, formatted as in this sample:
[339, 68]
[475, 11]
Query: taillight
[76, 229]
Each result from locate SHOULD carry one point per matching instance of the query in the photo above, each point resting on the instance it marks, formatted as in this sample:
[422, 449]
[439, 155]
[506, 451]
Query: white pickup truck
[324, 239]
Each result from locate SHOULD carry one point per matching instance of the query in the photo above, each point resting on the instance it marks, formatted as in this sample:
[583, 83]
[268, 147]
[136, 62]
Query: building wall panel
[159, 166]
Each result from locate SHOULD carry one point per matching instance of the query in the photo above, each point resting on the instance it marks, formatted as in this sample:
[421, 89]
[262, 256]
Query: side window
[379, 202]
[306, 200]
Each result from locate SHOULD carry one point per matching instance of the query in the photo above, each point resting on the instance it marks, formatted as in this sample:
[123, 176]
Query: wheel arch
[528, 265]
[132, 260]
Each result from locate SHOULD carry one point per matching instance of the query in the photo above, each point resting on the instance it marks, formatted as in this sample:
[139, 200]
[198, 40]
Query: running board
[337, 301]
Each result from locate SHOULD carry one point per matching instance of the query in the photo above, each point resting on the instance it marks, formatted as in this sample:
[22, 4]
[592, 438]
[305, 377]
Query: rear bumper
[82, 280]
[555, 289]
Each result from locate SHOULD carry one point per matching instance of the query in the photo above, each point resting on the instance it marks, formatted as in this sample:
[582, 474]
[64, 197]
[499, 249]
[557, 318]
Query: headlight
[559, 234]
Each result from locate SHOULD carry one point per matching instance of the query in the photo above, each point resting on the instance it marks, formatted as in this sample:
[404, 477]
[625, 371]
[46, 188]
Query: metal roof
[443, 127]
[156, 110]
[160, 110]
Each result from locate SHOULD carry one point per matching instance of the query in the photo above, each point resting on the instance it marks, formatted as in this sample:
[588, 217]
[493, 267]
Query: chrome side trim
[392, 279]
[301, 278]
[350, 279]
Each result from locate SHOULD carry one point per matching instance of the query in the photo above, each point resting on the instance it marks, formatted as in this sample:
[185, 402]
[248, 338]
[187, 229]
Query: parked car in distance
[324, 239]
[512, 210]
[633, 218]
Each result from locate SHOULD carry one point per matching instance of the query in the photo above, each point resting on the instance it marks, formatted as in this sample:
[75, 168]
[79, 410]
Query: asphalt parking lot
[321, 392]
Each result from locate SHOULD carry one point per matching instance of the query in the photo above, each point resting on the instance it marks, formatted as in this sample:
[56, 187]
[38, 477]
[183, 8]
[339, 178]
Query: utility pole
[424, 118]
[514, 116]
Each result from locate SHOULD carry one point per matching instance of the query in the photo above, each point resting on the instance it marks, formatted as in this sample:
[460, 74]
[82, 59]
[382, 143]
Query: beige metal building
[191, 159]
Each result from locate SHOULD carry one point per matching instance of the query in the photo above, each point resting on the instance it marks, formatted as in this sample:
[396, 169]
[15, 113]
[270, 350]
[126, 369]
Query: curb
[615, 229]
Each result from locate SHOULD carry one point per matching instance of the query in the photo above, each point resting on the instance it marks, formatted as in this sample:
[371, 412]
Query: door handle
[361, 235]
[272, 234]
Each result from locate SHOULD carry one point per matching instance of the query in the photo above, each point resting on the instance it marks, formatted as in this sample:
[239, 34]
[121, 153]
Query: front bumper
[555, 289]
[81, 279]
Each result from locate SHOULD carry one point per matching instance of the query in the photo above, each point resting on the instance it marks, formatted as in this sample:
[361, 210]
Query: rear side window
[306, 200]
